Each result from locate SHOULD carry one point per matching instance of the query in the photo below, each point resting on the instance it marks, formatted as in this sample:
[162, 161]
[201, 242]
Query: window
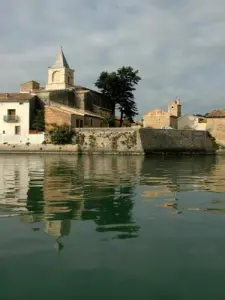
[17, 129]
[56, 76]
[11, 115]
[79, 123]
[202, 120]
[11, 112]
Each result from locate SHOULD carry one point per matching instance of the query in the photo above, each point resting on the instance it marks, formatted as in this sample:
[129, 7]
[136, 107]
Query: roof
[75, 111]
[216, 113]
[156, 112]
[66, 109]
[15, 97]
[61, 61]
[30, 81]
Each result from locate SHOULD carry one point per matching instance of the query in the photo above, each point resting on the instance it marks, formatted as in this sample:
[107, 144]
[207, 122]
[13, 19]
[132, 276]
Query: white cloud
[178, 46]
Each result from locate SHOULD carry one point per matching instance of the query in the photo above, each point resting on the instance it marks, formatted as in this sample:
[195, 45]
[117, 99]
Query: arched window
[56, 76]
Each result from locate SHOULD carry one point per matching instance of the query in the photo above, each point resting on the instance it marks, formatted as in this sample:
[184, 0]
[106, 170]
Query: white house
[192, 122]
[16, 113]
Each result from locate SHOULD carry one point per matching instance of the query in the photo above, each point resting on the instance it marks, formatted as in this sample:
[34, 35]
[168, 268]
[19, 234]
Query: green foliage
[39, 121]
[110, 121]
[119, 87]
[61, 135]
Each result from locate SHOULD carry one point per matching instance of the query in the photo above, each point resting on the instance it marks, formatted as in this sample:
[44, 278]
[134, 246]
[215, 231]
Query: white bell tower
[60, 76]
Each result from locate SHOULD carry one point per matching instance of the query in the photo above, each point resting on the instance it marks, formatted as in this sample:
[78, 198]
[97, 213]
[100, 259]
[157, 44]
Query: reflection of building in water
[63, 188]
[15, 176]
[157, 192]
[215, 181]
[113, 169]
[57, 228]
[177, 174]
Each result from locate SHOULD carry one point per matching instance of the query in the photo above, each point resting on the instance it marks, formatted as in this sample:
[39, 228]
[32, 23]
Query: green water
[112, 227]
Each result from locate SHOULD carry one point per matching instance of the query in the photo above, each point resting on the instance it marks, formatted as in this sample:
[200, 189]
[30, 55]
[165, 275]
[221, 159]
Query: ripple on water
[103, 188]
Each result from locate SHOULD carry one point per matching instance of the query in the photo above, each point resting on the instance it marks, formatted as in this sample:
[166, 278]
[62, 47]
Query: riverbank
[45, 148]
[127, 141]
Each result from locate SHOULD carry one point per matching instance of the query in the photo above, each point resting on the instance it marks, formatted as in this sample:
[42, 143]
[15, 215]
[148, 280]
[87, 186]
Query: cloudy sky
[178, 46]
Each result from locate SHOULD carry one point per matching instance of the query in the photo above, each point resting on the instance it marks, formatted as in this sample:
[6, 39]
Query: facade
[158, 118]
[75, 118]
[216, 125]
[77, 106]
[213, 122]
[16, 114]
[29, 86]
[192, 122]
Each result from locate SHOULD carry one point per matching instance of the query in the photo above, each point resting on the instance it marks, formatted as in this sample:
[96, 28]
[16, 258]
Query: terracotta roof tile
[14, 96]
[216, 113]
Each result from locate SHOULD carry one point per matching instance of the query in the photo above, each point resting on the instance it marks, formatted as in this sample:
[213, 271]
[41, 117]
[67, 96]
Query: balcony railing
[12, 119]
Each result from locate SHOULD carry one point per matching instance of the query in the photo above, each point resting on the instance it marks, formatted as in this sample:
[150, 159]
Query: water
[112, 227]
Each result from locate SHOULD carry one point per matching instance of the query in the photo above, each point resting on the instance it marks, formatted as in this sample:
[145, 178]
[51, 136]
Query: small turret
[174, 109]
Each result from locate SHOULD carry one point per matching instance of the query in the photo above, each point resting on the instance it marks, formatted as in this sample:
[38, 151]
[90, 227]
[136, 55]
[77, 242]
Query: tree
[39, 121]
[119, 87]
[61, 135]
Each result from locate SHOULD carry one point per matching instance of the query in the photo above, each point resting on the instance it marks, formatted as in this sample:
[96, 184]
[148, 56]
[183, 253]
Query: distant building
[216, 125]
[192, 122]
[158, 118]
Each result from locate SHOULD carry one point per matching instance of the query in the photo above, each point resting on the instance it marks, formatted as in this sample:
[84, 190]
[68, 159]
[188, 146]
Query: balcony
[11, 119]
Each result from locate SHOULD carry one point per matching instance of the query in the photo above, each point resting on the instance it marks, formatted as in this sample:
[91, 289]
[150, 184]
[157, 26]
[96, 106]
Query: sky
[178, 46]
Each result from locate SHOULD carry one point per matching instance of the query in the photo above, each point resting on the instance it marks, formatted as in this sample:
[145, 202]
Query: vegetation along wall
[144, 140]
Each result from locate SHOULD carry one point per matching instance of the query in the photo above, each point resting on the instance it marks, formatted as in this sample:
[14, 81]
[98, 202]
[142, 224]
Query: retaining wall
[144, 140]
[125, 141]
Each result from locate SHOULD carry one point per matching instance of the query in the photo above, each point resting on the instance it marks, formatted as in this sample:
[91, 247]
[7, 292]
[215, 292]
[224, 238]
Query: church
[65, 102]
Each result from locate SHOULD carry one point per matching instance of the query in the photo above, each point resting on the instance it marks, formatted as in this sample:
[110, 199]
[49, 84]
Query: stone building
[158, 118]
[192, 122]
[65, 102]
[216, 125]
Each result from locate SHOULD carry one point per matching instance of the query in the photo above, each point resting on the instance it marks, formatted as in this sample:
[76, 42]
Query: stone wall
[170, 140]
[140, 141]
[109, 140]
[26, 87]
[216, 127]
[56, 116]
[35, 148]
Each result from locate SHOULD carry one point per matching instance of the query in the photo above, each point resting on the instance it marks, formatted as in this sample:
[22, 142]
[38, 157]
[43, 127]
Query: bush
[110, 121]
[61, 135]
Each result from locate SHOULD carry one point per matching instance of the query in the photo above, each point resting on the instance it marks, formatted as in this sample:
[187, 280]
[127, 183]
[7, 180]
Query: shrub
[110, 121]
[61, 135]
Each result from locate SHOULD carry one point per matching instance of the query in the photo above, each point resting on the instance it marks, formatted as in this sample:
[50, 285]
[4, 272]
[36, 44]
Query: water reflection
[55, 190]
